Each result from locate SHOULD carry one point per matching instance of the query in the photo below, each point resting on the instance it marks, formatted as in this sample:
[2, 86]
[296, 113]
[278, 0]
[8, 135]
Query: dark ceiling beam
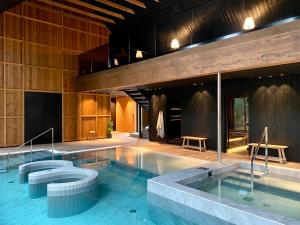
[137, 3]
[116, 6]
[96, 8]
[79, 11]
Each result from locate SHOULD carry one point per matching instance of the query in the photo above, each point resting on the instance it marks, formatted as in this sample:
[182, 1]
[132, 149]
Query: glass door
[238, 121]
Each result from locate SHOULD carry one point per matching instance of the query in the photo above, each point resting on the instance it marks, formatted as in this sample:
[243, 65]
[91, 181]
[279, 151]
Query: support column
[219, 133]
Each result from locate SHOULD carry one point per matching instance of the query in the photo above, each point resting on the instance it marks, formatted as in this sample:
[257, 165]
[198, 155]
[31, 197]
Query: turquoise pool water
[273, 194]
[123, 193]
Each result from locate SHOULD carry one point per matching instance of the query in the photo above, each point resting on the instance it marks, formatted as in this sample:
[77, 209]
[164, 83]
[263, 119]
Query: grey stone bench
[27, 168]
[70, 190]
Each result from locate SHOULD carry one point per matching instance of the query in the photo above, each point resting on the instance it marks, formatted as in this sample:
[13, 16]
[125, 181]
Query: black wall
[42, 112]
[273, 102]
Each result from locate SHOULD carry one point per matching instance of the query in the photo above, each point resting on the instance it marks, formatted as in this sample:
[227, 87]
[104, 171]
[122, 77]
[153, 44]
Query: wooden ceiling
[107, 11]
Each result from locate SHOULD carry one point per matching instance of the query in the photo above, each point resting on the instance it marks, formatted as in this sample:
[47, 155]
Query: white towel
[160, 125]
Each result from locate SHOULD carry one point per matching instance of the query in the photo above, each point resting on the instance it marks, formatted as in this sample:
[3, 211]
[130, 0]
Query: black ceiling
[193, 21]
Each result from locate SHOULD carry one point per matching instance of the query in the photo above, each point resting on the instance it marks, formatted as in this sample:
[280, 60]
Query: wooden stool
[91, 135]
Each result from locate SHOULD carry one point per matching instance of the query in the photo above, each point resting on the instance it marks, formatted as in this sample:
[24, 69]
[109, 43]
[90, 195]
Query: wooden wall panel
[14, 131]
[14, 76]
[69, 81]
[71, 21]
[1, 24]
[70, 128]
[70, 60]
[1, 132]
[42, 79]
[14, 103]
[13, 26]
[1, 75]
[45, 56]
[42, 33]
[88, 124]
[103, 105]
[41, 44]
[70, 104]
[125, 114]
[16, 9]
[47, 14]
[1, 103]
[102, 126]
[13, 51]
[89, 104]
[1, 49]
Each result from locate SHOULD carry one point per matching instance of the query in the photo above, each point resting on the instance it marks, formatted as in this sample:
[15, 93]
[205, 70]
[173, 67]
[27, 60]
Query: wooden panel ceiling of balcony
[106, 11]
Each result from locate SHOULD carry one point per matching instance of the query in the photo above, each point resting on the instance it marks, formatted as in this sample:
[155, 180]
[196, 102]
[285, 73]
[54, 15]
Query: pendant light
[175, 43]
[249, 23]
[139, 54]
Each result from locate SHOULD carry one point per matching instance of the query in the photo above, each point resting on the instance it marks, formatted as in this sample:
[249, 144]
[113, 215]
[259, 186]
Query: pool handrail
[265, 136]
[31, 145]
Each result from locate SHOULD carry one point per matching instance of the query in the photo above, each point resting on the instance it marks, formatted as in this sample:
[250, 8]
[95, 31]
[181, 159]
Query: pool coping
[171, 186]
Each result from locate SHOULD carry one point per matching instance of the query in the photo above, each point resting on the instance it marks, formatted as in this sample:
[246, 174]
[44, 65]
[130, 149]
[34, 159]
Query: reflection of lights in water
[118, 154]
[130, 158]
[160, 165]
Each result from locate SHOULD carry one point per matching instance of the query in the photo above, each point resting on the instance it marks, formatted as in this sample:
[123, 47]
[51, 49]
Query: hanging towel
[160, 125]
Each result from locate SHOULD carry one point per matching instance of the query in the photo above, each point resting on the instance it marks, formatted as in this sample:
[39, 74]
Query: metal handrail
[30, 141]
[266, 137]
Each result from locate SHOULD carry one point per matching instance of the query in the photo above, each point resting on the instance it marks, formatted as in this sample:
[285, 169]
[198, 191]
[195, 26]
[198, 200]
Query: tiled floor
[124, 140]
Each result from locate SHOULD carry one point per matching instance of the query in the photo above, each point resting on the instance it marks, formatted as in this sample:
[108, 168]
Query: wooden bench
[280, 148]
[186, 142]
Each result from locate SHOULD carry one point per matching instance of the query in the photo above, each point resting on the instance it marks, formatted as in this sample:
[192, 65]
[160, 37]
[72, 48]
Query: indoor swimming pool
[123, 175]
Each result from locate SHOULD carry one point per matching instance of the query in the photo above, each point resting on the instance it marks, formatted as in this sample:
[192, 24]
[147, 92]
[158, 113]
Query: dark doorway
[238, 124]
[42, 112]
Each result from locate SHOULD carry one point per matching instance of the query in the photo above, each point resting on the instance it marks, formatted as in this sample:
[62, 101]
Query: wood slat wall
[94, 114]
[39, 45]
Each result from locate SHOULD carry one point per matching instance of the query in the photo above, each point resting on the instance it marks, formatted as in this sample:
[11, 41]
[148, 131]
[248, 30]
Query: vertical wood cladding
[39, 45]
[273, 102]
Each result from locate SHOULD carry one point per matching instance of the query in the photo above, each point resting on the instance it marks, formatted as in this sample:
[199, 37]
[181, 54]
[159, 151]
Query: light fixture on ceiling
[116, 63]
[139, 54]
[249, 23]
[175, 43]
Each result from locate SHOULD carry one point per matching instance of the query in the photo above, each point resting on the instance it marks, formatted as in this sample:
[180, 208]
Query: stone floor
[123, 139]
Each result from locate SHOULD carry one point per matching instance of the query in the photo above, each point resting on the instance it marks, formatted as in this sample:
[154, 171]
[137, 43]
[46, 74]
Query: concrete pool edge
[171, 186]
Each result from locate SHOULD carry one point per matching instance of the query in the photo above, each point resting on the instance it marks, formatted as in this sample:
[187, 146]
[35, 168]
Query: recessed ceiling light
[270, 76]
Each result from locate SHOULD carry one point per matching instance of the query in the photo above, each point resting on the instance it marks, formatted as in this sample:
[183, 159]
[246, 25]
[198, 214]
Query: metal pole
[219, 154]
[52, 134]
[266, 150]
[31, 151]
